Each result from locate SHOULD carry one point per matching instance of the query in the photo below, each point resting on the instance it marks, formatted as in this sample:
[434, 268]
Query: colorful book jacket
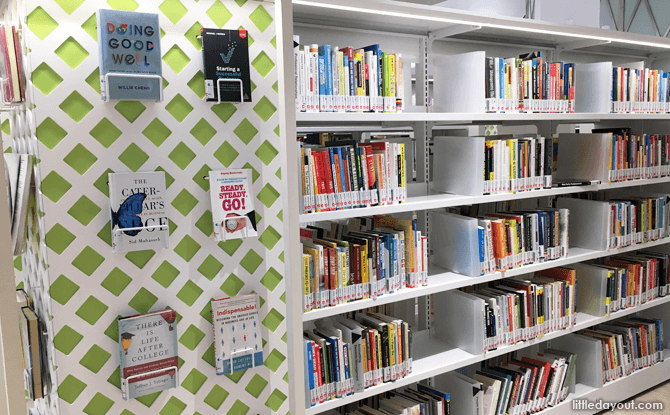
[129, 44]
[225, 55]
[149, 361]
[233, 211]
[139, 211]
[238, 344]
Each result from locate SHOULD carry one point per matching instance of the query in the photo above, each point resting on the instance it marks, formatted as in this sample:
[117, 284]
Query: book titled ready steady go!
[233, 211]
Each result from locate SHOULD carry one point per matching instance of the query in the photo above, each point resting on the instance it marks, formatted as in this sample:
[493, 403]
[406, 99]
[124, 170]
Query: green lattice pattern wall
[82, 139]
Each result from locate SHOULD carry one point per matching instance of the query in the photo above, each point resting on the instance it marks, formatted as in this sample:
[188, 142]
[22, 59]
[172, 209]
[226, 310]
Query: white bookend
[458, 163]
[467, 394]
[592, 289]
[592, 162]
[456, 246]
[593, 87]
[467, 332]
[588, 222]
[459, 83]
[589, 357]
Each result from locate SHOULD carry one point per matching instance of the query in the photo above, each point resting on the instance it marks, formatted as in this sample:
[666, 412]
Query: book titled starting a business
[130, 55]
[225, 55]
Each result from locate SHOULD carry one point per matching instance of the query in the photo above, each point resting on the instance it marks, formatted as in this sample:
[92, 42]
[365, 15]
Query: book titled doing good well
[148, 353]
[139, 215]
[129, 44]
[238, 344]
[233, 211]
[225, 56]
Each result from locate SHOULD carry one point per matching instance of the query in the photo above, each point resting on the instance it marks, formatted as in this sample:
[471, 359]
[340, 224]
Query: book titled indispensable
[238, 344]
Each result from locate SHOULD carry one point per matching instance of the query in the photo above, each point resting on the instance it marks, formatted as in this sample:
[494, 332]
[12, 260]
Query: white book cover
[238, 344]
[233, 211]
[139, 211]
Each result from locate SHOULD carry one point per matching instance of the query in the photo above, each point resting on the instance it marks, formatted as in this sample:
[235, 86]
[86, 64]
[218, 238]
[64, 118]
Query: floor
[660, 393]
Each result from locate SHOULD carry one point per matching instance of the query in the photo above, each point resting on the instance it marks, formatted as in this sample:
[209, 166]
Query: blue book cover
[325, 51]
[378, 55]
[501, 77]
[482, 243]
[129, 43]
[352, 77]
[309, 372]
[345, 66]
[322, 73]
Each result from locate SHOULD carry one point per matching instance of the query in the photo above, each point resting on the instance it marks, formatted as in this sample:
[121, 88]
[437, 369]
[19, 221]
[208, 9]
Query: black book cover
[490, 78]
[225, 55]
[548, 156]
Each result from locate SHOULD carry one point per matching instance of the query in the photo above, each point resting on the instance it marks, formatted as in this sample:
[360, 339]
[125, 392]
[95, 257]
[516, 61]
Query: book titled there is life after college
[148, 353]
[130, 49]
[225, 55]
[139, 215]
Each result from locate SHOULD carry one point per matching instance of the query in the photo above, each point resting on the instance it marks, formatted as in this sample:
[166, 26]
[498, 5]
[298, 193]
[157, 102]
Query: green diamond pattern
[238, 408]
[62, 289]
[272, 320]
[219, 14]
[254, 173]
[210, 267]
[216, 396]
[245, 131]
[226, 154]
[80, 159]
[116, 281]
[54, 186]
[235, 377]
[156, 132]
[88, 261]
[181, 155]
[187, 248]
[179, 108]
[251, 261]
[101, 184]
[192, 337]
[91, 310]
[143, 301]
[184, 202]
[133, 157]
[189, 293]
[232, 285]
[90, 26]
[263, 64]
[265, 108]
[274, 360]
[93, 80]
[203, 131]
[194, 381]
[50, 134]
[205, 223]
[209, 356]
[256, 385]
[84, 210]
[268, 195]
[46, 79]
[67, 339]
[95, 358]
[173, 407]
[70, 389]
[176, 59]
[72, 52]
[173, 10]
[271, 279]
[270, 237]
[261, 18]
[224, 110]
[130, 110]
[140, 258]
[197, 84]
[230, 246]
[112, 330]
[58, 238]
[199, 177]
[41, 23]
[168, 179]
[76, 106]
[129, 5]
[266, 152]
[206, 312]
[148, 400]
[99, 405]
[165, 274]
[192, 33]
[115, 377]
[105, 132]
[275, 400]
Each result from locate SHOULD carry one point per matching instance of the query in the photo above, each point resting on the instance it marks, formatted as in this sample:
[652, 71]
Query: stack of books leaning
[333, 79]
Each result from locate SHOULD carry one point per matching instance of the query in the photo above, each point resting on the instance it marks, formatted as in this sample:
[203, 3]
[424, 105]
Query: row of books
[529, 83]
[348, 174]
[635, 221]
[330, 79]
[526, 308]
[20, 196]
[516, 165]
[627, 345]
[33, 351]
[639, 90]
[366, 258]
[419, 399]
[639, 157]
[345, 355]
[11, 69]
[512, 239]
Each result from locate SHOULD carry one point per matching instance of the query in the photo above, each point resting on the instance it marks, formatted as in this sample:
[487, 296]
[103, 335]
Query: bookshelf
[424, 34]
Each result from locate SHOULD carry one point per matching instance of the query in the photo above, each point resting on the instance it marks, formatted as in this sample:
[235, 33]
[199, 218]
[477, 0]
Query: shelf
[433, 357]
[443, 200]
[442, 280]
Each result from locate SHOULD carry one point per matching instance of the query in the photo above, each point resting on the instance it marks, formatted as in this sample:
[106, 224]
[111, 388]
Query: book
[225, 56]
[149, 354]
[21, 75]
[129, 43]
[238, 344]
[139, 211]
[32, 353]
[19, 171]
[233, 210]
[11, 65]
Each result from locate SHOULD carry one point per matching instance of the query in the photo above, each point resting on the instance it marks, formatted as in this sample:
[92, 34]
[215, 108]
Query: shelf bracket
[451, 30]
[657, 56]
[577, 44]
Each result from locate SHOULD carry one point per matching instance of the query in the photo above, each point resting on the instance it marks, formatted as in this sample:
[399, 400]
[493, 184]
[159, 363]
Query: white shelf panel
[438, 201]
[432, 357]
[303, 118]
[442, 280]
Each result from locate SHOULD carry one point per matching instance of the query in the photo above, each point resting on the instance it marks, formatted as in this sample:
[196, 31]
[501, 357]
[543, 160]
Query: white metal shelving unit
[419, 33]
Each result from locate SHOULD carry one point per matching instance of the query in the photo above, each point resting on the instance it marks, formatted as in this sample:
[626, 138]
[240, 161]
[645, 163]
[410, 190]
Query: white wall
[510, 8]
